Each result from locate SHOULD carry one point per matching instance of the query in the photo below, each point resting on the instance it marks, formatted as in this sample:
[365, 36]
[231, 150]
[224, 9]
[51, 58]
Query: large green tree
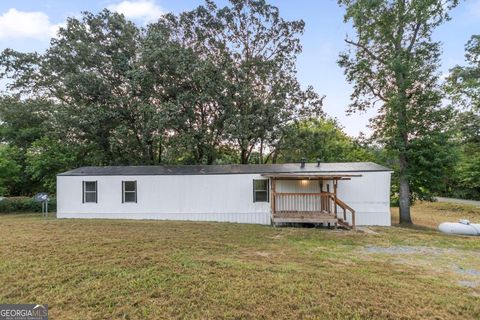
[208, 86]
[123, 92]
[47, 157]
[320, 138]
[463, 83]
[393, 64]
[187, 91]
[466, 181]
[22, 122]
[256, 50]
[86, 71]
[179, 90]
[463, 87]
[9, 170]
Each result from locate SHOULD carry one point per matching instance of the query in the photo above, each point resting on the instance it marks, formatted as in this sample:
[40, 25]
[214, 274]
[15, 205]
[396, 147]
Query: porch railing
[313, 205]
[345, 208]
[303, 202]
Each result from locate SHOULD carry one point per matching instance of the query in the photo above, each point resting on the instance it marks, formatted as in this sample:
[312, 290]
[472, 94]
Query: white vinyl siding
[213, 197]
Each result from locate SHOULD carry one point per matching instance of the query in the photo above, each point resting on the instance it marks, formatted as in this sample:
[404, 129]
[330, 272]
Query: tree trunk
[260, 159]
[404, 201]
[210, 154]
[275, 156]
[160, 151]
[243, 156]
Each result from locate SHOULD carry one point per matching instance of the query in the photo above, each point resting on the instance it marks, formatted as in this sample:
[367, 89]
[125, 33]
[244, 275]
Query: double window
[260, 190]
[129, 191]
[90, 192]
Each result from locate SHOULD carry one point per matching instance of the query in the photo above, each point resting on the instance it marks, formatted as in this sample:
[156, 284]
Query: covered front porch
[312, 199]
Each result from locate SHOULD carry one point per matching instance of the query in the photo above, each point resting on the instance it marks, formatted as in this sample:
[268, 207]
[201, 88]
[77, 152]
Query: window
[260, 190]
[129, 191]
[89, 191]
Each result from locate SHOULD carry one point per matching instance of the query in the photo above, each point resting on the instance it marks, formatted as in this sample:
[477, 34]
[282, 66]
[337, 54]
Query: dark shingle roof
[226, 169]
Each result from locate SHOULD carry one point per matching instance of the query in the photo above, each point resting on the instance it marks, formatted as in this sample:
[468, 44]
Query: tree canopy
[463, 88]
[256, 51]
[212, 85]
[463, 83]
[321, 139]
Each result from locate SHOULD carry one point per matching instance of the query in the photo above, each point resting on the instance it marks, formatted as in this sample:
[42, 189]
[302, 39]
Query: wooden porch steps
[345, 224]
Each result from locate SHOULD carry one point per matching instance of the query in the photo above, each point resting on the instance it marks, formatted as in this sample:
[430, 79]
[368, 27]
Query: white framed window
[129, 191]
[90, 194]
[260, 190]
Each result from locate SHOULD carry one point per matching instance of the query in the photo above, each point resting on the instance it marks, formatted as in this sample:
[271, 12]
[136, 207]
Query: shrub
[24, 204]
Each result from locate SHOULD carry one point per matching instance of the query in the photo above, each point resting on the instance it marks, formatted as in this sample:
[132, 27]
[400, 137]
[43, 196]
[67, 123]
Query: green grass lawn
[100, 269]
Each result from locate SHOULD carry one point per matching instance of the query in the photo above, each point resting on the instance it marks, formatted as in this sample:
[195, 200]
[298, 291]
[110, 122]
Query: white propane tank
[463, 227]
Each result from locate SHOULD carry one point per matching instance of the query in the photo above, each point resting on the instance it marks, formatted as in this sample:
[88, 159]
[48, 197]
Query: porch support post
[272, 199]
[335, 181]
[322, 206]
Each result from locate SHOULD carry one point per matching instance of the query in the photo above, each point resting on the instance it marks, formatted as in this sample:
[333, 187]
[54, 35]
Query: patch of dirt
[440, 261]
[470, 272]
[262, 254]
[277, 237]
[366, 230]
[469, 284]
[407, 250]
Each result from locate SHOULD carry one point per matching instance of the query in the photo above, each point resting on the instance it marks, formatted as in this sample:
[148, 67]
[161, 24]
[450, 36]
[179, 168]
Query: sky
[28, 25]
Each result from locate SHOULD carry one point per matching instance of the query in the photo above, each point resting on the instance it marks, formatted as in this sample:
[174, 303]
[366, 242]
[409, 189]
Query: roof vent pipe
[318, 162]
[302, 163]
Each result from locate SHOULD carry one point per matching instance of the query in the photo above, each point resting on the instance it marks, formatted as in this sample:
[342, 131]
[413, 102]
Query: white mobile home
[350, 194]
